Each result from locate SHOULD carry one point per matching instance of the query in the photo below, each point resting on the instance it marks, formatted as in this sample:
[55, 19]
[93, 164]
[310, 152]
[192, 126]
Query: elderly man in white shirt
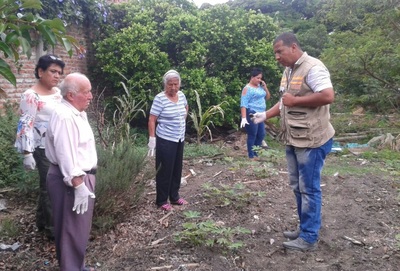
[70, 147]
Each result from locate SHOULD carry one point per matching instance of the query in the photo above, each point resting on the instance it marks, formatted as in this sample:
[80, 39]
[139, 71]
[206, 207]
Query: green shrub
[12, 173]
[118, 185]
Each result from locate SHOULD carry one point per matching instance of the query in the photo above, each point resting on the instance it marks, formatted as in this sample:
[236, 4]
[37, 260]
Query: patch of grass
[398, 240]
[225, 195]
[209, 233]
[369, 162]
[381, 155]
[9, 228]
[194, 150]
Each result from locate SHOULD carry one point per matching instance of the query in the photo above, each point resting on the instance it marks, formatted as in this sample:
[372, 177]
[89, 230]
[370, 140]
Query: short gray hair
[70, 84]
[171, 74]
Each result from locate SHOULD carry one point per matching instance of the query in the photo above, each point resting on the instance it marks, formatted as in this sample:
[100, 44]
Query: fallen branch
[192, 172]
[161, 267]
[156, 242]
[216, 174]
[354, 241]
[272, 252]
[164, 217]
[189, 265]
[347, 138]
[250, 182]
[7, 190]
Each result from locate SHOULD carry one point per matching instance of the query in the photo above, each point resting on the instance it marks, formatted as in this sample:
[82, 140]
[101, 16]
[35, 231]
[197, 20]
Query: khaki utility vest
[303, 127]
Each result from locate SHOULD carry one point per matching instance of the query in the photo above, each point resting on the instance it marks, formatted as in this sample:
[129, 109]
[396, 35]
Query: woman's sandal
[180, 201]
[166, 207]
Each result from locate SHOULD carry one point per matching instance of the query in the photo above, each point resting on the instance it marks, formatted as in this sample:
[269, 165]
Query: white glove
[151, 145]
[29, 161]
[259, 117]
[243, 122]
[81, 201]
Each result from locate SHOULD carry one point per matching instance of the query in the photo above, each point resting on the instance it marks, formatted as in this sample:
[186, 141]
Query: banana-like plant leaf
[31, 4]
[12, 38]
[26, 47]
[2, 27]
[68, 46]
[6, 72]
[28, 17]
[55, 24]
[26, 34]
[47, 34]
[6, 49]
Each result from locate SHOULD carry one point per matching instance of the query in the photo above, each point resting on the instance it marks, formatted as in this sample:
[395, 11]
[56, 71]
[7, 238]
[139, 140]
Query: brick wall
[25, 74]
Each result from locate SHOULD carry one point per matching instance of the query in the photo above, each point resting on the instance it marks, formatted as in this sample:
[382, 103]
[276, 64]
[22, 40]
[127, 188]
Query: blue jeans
[305, 166]
[255, 134]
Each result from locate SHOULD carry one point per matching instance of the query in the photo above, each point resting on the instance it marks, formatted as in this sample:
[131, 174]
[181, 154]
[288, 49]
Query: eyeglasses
[55, 58]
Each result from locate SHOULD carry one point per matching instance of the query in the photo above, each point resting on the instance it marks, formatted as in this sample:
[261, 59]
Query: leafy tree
[314, 40]
[365, 61]
[20, 29]
[214, 49]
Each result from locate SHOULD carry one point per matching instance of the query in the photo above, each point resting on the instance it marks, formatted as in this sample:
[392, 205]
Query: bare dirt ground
[361, 219]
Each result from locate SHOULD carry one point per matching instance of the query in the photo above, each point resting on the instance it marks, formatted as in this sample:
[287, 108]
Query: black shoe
[300, 244]
[292, 235]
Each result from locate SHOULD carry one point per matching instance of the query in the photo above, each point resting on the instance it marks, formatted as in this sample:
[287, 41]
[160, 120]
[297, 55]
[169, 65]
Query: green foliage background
[213, 49]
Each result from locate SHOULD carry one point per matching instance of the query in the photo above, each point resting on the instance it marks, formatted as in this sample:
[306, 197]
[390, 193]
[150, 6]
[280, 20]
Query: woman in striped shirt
[167, 126]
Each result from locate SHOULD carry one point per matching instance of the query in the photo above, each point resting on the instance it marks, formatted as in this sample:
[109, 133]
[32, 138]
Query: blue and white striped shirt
[171, 117]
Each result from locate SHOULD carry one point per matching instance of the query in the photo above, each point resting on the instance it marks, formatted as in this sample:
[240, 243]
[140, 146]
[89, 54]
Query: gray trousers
[71, 231]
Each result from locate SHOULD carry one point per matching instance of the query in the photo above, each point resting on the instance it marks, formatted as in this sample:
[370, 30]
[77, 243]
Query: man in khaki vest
[306, 92]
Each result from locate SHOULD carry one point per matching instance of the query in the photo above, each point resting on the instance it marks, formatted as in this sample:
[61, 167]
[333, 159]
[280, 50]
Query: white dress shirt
[70, 142]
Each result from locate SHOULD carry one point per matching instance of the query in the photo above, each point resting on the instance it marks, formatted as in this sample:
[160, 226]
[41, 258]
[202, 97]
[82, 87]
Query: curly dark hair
[45, 61]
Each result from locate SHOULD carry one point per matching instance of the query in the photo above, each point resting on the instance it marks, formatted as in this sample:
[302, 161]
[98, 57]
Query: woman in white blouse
[36, 106]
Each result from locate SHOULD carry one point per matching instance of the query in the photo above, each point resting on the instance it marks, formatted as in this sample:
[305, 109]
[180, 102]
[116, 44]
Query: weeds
[120, 161]
[398, 240]
[209, 233]
[195, 150]
[9, 228]
[202, 121]
[118, 186]
[127, 108]
[226, 195]
[12, 172]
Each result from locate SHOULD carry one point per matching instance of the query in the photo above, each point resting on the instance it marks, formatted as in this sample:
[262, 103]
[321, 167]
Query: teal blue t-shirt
[254, 99]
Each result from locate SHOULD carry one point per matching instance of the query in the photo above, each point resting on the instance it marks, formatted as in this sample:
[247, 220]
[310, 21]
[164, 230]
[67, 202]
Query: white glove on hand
[151, 145]
[243, 122]
[259, 117]
[81, 201]
[29, 161]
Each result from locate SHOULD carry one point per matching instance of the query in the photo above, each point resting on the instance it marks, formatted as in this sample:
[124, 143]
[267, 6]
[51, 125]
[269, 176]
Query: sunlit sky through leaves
[212, 2]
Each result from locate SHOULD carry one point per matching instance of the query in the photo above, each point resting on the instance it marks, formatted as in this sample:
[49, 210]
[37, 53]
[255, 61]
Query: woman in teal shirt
[253, 99]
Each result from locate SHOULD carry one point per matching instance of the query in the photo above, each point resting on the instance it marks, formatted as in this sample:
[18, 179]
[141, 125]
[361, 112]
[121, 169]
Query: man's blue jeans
[305, 166]
[255, 134]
